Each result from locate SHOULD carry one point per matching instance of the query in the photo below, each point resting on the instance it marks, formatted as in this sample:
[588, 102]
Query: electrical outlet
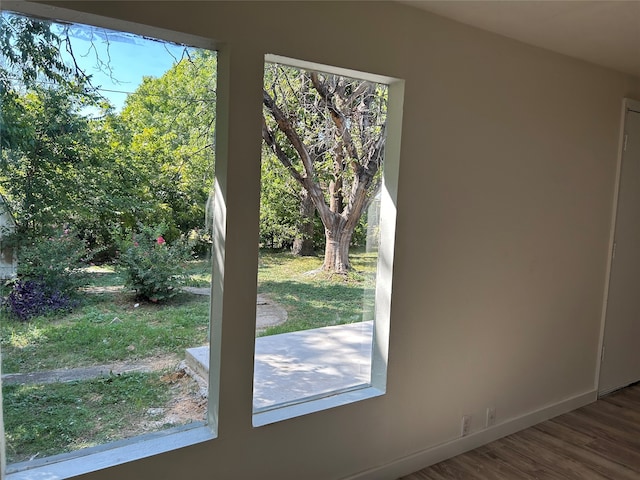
[466, 425]
[491, 416]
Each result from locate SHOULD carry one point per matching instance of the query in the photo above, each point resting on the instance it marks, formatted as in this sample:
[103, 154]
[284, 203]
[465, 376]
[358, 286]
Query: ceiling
[604, 32]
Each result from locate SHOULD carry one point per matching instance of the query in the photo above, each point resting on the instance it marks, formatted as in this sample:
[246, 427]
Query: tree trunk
[347, 197]
[303, 243]
[336, 251]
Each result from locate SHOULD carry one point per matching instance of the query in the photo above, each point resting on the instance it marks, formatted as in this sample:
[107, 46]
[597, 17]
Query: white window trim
[111, 454]
[384, 275]
[136, 448]
[92, 459]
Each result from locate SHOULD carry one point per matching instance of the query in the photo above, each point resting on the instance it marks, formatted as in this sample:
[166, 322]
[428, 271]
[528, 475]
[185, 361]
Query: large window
[324, 271]
[111, 332]
[107, 155]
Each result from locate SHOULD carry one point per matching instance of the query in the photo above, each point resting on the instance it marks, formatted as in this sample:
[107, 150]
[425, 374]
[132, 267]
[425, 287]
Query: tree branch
[376, 154]
[285, 127]
[338, 118]
[308, 179]
[270, 140]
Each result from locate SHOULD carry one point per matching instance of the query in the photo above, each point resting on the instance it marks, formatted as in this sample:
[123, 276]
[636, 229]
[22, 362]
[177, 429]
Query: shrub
[49, 272]
[151, 266]
[55, 261]
[29, 299]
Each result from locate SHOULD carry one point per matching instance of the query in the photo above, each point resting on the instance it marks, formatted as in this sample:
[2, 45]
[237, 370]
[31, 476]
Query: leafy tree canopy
[169, 124]
[328, 131]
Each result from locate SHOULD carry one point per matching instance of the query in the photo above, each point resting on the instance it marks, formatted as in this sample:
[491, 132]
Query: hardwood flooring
[598, 441]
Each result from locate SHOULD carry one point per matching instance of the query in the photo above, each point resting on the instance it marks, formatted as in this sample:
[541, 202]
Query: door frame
[628, 105]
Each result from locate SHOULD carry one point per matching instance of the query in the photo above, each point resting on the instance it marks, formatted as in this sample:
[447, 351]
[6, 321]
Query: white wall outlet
[466, 425]
[491, 416]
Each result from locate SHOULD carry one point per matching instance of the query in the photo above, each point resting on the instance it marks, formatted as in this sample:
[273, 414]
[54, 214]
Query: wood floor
[599, 441]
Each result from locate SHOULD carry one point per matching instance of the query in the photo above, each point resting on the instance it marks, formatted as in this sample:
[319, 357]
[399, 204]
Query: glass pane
[323, 150]
[107, 171]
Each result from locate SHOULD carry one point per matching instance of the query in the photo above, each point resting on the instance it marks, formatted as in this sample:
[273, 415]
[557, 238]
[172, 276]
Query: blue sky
[118, 61]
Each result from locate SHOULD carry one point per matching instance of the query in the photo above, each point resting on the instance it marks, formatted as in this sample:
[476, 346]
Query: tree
[279, 202]
[303, 241]
[168, 125]
[39, 171]
[50, 159]
[151, 163]
[30, 56]
[328, 131]
[67, 172]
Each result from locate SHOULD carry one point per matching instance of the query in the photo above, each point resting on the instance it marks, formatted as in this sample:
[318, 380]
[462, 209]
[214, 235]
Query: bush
[49, 272]
[29, 299]
[152, 267]
[55, 262]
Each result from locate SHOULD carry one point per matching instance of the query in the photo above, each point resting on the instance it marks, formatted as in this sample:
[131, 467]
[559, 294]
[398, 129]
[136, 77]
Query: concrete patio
[303, 365]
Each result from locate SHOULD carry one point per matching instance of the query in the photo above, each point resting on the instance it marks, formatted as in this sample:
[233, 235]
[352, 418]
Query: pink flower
[135, 244]
[160, 240]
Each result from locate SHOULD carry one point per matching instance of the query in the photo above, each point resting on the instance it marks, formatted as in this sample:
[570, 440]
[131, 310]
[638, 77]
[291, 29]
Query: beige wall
[505, 194]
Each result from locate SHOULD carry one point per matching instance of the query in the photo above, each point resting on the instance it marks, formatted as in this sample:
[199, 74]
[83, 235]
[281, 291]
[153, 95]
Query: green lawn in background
[314, 298]
[110, 325]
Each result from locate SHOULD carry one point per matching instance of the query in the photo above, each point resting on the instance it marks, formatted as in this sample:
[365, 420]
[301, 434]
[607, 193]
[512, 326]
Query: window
[107, 156]
[326, 236]
[112, 159]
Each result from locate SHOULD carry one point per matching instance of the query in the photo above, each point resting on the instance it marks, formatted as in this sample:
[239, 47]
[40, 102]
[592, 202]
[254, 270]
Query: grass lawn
[45, 420]
[110, 326]
[314, 298]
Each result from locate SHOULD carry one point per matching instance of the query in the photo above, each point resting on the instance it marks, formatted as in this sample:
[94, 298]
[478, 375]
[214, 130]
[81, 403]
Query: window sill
[280, 413]
[97, 458]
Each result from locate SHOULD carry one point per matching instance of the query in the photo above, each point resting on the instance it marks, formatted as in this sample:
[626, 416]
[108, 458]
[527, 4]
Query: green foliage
[279, 204]
[29, 53]
[151, 163]
[30, 50]
[46, 143]
[327, 133]
[202, 242]
[167, 128]
[151, 266]
[50, 271]
[56, 261]
[46, 173]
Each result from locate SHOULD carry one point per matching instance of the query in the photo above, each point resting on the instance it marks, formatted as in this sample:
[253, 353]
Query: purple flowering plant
[28, 299]
[50, 271]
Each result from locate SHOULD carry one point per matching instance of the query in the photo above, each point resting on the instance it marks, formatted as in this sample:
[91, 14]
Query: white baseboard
[419, 460]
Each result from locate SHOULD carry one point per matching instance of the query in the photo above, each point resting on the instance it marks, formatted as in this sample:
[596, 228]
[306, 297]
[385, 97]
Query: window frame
[111, 454]
[384, 275]
[117, 453]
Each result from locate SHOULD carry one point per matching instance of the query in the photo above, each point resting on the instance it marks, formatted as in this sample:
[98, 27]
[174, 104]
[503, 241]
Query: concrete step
[292, 366]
